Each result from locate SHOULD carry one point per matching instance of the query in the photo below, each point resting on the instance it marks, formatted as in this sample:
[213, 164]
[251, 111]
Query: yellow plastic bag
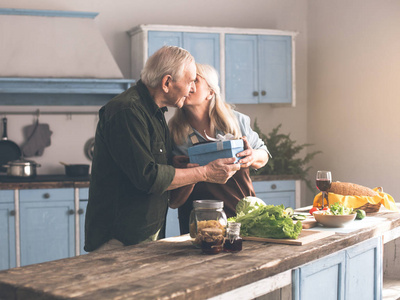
[357, 201]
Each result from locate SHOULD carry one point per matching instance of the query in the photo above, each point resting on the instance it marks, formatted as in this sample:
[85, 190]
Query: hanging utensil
[9, 151]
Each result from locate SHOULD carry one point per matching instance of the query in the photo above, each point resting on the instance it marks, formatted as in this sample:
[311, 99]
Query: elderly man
[132, 170]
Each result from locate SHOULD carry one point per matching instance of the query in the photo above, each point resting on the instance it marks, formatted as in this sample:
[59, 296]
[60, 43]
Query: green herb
[284, 152]
[339, 209]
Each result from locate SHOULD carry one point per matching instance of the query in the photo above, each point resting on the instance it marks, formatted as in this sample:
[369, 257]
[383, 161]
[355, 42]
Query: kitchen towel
[38, 138]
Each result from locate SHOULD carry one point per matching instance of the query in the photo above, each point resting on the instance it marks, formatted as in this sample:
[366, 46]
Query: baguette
[351, 189]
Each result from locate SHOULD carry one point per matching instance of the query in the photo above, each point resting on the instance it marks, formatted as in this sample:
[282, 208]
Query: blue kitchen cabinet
[353, 273]
[364, 278]
[258, 68]
[277, 192]
[83, 201]
[172, 226]
[203, 46]
[7, 230]
[47, 220]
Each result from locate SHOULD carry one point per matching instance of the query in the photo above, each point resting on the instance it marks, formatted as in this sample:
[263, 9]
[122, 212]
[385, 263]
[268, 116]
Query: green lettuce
[248, 204]
[268, 221]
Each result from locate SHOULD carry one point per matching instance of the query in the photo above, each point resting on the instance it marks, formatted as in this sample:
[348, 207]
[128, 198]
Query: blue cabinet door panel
[275, 56]
[241, 68]
[172, 226]
[278, 198]
[46, 225]
[322, 279]
[82, 207]
[7, 236]
[366, 259]
[158, 39]
[204, 47]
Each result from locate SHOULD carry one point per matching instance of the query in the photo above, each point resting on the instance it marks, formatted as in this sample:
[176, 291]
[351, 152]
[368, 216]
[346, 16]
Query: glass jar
[233, 241]
[206, 214]
[212, 240]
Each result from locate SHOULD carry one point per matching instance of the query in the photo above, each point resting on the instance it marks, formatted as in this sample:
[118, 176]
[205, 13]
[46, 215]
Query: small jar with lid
[233, 241]
[206, 214]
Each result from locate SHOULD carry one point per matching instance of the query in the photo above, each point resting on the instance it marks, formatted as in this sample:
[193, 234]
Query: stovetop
[43, 178]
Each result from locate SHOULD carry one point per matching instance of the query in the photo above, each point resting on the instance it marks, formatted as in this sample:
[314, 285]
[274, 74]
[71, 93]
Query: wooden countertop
[63, 181]
[43, 182]
[172, 268]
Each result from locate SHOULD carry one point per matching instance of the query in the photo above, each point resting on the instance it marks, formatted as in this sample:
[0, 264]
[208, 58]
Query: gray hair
[168, 60]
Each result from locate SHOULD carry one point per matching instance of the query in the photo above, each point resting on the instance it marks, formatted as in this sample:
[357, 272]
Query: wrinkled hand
[247, 155]
[220, 170]
[182, 162]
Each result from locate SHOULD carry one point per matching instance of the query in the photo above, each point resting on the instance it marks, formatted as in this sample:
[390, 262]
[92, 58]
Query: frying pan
[9, 150]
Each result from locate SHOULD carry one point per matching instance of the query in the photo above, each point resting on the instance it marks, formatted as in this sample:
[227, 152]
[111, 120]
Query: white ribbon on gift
[220, 139]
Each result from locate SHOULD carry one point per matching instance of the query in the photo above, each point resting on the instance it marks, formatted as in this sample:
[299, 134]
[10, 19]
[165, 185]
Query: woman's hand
[250, 157]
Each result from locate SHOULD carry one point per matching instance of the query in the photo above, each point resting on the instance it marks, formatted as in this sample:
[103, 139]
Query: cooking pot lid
[22, 162]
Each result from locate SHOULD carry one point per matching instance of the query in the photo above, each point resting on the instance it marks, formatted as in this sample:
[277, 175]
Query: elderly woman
[206, 114]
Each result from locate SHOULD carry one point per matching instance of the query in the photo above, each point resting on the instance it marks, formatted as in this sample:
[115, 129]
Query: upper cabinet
[258, 68]
[255, 65]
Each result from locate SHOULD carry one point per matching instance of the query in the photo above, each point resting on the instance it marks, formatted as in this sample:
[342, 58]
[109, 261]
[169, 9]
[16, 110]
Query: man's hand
[220, 170]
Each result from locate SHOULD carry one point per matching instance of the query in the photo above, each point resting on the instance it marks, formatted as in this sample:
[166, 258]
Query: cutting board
[309, 222]
[306, 236]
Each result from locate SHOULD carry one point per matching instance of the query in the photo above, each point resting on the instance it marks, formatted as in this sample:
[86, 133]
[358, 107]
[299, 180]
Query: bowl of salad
[337, 215]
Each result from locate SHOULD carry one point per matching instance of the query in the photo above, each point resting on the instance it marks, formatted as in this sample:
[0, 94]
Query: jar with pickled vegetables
[206, 214]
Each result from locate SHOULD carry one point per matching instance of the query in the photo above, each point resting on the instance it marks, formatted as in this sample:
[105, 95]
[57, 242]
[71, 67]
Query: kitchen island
[173, 269]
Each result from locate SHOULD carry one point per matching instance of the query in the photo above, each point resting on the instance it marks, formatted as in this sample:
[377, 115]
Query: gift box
[202, 154]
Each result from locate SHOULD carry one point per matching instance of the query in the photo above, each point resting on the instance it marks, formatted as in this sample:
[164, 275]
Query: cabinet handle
[273, 186]
[263, 93]
[46, 196]
[71, 212]
[80, 211]
[12, 212]
[255, 93]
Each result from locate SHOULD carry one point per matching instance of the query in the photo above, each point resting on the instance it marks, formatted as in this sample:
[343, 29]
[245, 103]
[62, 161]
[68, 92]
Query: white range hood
[54, 53]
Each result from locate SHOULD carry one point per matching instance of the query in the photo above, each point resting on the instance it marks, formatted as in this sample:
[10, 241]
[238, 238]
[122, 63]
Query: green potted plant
[285, 158]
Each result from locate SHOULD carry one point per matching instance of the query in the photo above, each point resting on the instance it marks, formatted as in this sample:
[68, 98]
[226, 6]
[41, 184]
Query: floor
[391, 289]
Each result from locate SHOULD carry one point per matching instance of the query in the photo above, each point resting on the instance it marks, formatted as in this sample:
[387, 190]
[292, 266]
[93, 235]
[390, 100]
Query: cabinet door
[203, 46]
[365, 259]
[277, 192]
[157, 39]
[47, 225]
[83, 201]
[241, 69]
[275, 68]
[258, 68]
[320, 279]
[278, 198]
[172, 223]
[7, 230]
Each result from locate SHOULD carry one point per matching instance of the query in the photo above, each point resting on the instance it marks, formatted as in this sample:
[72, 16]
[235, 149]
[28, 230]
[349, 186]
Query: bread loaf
[351, 189]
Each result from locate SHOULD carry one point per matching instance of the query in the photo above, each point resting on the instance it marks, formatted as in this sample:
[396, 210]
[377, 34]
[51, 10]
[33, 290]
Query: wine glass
[324, 181]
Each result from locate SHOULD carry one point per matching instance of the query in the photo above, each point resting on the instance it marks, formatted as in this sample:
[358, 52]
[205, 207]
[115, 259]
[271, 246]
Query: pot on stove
[21, 168]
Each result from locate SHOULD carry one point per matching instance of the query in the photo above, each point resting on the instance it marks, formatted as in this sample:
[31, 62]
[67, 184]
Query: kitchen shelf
[60, 91]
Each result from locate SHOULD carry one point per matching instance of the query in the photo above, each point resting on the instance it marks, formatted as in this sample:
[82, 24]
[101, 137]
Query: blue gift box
[202, 154]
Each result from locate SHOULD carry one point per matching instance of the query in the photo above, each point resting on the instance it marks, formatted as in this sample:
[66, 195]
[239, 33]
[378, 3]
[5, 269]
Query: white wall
[354, 91]
[117, 17]
[347, 69]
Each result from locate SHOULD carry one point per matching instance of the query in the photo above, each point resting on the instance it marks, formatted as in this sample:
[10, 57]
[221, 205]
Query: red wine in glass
[323, 181]
[323, 184]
